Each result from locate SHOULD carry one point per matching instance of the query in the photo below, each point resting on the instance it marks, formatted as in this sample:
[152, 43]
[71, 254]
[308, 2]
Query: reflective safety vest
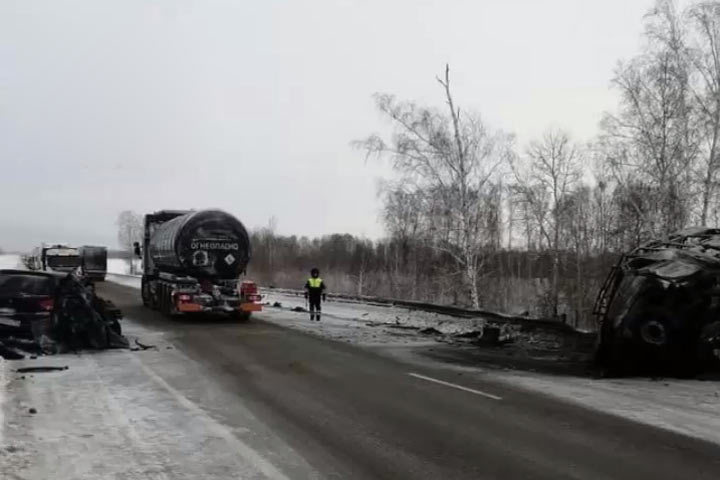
[315, 282]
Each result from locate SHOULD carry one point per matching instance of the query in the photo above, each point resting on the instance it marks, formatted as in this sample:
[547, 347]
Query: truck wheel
[165, 300]
[657, 341]
[145, 293]
[242, 316]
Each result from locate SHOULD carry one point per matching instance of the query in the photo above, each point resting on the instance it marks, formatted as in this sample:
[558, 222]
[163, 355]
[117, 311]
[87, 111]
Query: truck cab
[59, 258]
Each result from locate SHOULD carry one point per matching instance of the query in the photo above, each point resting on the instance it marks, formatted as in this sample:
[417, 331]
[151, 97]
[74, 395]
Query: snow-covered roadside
[131, 281]
[10, 261]
[689, 407]
[120, 266]
[116, 415]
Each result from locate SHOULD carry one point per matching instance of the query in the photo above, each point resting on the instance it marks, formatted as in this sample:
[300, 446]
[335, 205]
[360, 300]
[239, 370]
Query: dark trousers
[315, 307]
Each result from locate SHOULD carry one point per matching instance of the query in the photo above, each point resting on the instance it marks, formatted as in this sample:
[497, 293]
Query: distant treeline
[515, 281]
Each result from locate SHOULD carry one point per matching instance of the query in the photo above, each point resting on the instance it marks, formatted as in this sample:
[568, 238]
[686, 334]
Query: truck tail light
[46, 304]
[248, 288]
[249, 291]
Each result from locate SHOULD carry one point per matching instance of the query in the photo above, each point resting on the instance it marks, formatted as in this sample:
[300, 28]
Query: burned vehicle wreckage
[659, 309]
[47, 313]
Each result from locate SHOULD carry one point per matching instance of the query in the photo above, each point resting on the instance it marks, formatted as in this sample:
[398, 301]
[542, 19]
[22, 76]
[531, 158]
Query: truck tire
[242, 316]
[657, 344]
[166, 306]
[145, 293]
[165, 300]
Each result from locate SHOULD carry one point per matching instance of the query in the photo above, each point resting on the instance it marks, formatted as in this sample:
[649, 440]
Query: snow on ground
[118, 265]
[121, 266]
[132, 281]
[360, 314]
[690, 407]
[116, 414]
[10, 261]
[118, 271]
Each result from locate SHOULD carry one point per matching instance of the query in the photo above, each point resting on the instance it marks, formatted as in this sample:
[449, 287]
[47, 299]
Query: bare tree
[130, 230]
[578, 231]
[403, 220]
[550, 173]
[703, 53]
[652, 140]
[361, 261]
[447, 160]
[268, 238]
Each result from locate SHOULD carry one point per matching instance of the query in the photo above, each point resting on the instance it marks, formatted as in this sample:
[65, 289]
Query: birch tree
[550, 172]
[130, 230]
[651, 139]
[703, 52]
[447, 159]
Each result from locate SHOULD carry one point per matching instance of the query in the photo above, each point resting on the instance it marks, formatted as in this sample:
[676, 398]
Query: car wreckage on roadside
[659, 308]
[47, 313]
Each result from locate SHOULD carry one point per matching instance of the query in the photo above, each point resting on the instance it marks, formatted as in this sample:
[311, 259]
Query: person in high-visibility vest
[315, 293]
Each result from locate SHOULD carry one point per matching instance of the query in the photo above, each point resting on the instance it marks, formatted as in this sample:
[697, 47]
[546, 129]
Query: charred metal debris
[659, 308]
[80, 320]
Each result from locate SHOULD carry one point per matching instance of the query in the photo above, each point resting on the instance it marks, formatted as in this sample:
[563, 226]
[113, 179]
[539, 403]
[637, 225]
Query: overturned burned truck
[659, 309]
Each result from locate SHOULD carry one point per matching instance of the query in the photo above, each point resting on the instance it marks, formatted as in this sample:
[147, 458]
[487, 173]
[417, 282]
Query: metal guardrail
[522, 321]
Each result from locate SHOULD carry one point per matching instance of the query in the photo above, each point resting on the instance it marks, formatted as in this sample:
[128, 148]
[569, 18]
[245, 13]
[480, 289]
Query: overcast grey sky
[250, 106]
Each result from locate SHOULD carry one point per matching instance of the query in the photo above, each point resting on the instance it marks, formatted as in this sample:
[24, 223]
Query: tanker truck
[192, 262]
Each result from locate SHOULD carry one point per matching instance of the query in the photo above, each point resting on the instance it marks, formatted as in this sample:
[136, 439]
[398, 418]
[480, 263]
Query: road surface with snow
[218, 399]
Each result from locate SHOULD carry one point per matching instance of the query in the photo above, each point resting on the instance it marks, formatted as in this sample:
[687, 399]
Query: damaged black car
[659, 309]
[46, 313]
[26, 298]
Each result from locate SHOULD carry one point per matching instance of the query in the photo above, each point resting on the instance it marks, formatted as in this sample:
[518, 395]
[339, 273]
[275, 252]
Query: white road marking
[459, 387]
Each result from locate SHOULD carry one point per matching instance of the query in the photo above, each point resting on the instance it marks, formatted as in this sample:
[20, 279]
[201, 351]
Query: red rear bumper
[251, 307]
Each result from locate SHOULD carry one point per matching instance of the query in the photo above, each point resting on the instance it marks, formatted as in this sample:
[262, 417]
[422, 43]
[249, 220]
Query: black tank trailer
[193, 261]
[204, 244]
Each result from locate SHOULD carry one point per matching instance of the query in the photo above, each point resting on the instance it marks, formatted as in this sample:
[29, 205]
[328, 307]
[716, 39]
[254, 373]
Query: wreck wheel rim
[654, 333]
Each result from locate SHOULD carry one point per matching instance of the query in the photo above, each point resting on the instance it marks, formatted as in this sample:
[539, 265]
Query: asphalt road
[352, 412]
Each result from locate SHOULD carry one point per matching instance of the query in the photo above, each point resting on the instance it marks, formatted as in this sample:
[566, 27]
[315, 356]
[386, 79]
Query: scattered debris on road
[430, 331]
[9, 353]
[42, 369]
[143, 346]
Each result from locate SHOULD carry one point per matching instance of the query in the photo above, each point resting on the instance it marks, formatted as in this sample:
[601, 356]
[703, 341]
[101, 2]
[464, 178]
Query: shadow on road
[505, 359]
